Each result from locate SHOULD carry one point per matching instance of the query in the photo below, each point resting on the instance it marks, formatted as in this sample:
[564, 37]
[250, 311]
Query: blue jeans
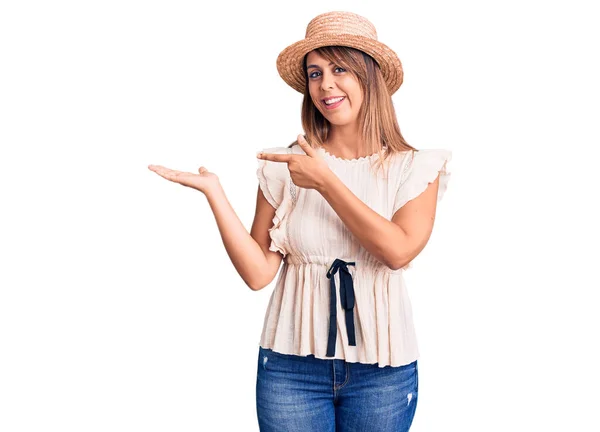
[307, 394]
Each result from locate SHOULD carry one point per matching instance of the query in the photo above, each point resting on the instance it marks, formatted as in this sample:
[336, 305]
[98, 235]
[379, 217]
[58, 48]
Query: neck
[345, 142]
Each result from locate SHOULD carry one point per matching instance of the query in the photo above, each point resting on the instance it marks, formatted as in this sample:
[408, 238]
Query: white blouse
[372, 321]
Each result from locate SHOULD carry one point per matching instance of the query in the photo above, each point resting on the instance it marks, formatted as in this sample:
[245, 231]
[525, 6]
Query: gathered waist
[327, 261]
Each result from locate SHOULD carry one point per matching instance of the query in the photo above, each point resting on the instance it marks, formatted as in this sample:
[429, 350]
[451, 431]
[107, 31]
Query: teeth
[332, 101]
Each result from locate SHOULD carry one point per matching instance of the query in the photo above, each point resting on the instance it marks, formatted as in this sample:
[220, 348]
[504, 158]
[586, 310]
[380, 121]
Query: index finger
[274, 157]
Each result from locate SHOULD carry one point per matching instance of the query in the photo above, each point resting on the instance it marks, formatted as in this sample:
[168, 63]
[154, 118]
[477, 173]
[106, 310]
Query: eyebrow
[315, 66]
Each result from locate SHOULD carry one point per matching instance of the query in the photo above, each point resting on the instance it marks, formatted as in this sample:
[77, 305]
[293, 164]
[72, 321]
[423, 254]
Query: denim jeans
[307, 394]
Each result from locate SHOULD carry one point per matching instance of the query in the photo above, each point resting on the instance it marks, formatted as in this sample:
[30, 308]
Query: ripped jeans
[307, 394]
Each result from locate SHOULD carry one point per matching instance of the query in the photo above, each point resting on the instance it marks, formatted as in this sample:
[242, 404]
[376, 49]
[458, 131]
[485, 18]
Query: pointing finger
[274, 157]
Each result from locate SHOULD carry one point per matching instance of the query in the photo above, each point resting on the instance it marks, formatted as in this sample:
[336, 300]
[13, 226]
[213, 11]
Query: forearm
[245, 253]
[376, 234]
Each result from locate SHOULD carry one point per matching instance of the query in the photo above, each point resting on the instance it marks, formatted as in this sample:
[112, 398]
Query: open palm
[202, 181]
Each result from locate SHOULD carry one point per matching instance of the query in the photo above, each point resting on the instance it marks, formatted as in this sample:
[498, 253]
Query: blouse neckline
[354, 160]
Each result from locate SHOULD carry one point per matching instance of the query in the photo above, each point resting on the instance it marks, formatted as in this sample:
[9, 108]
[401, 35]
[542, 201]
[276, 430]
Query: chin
[339, 122]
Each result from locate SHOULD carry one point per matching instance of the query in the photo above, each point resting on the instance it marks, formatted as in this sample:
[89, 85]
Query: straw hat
[343, 29]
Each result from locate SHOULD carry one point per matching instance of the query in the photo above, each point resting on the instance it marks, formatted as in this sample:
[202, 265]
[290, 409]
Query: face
[334, 91]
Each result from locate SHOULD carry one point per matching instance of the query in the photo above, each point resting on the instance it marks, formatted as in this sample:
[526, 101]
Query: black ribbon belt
[347, 300]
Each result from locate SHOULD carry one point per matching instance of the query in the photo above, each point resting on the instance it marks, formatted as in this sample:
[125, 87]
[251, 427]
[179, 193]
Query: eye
[315, 74]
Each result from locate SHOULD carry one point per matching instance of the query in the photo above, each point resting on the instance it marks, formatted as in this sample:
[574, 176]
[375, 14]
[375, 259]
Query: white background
[119, 307]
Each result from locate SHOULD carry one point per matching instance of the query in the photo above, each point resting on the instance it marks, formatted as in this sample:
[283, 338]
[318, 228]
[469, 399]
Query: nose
[327, 81]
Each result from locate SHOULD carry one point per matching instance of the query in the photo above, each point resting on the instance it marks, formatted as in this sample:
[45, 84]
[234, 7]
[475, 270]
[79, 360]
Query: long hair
[377, 116]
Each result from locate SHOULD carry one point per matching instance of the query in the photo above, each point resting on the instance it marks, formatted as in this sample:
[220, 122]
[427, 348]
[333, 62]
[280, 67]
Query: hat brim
[290, 67]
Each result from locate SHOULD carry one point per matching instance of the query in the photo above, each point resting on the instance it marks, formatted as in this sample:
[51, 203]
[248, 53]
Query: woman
[348, 207]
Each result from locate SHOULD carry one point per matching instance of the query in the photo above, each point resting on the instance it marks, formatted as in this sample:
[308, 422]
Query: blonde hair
[377, 116]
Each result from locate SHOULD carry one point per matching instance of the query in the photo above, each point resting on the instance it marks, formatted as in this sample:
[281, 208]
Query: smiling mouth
[332, 103]
[332, 100]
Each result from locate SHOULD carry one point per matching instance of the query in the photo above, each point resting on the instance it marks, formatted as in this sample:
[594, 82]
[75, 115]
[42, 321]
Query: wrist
[326, 180]
[213, 190]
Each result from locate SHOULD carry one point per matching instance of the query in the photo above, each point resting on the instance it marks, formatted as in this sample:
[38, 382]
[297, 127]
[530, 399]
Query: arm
[249, 253]
[395, 243]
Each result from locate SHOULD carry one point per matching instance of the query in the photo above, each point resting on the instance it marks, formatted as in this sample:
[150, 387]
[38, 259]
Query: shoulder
[434, 153]
[426, 160]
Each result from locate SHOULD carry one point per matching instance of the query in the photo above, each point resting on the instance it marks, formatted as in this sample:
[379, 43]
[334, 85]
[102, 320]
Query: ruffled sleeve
[420, 170]
[272, 176]
[274, 181]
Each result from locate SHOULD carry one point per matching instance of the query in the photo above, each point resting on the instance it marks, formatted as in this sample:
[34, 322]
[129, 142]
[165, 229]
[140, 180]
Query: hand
[204, 181]
[307, 171]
